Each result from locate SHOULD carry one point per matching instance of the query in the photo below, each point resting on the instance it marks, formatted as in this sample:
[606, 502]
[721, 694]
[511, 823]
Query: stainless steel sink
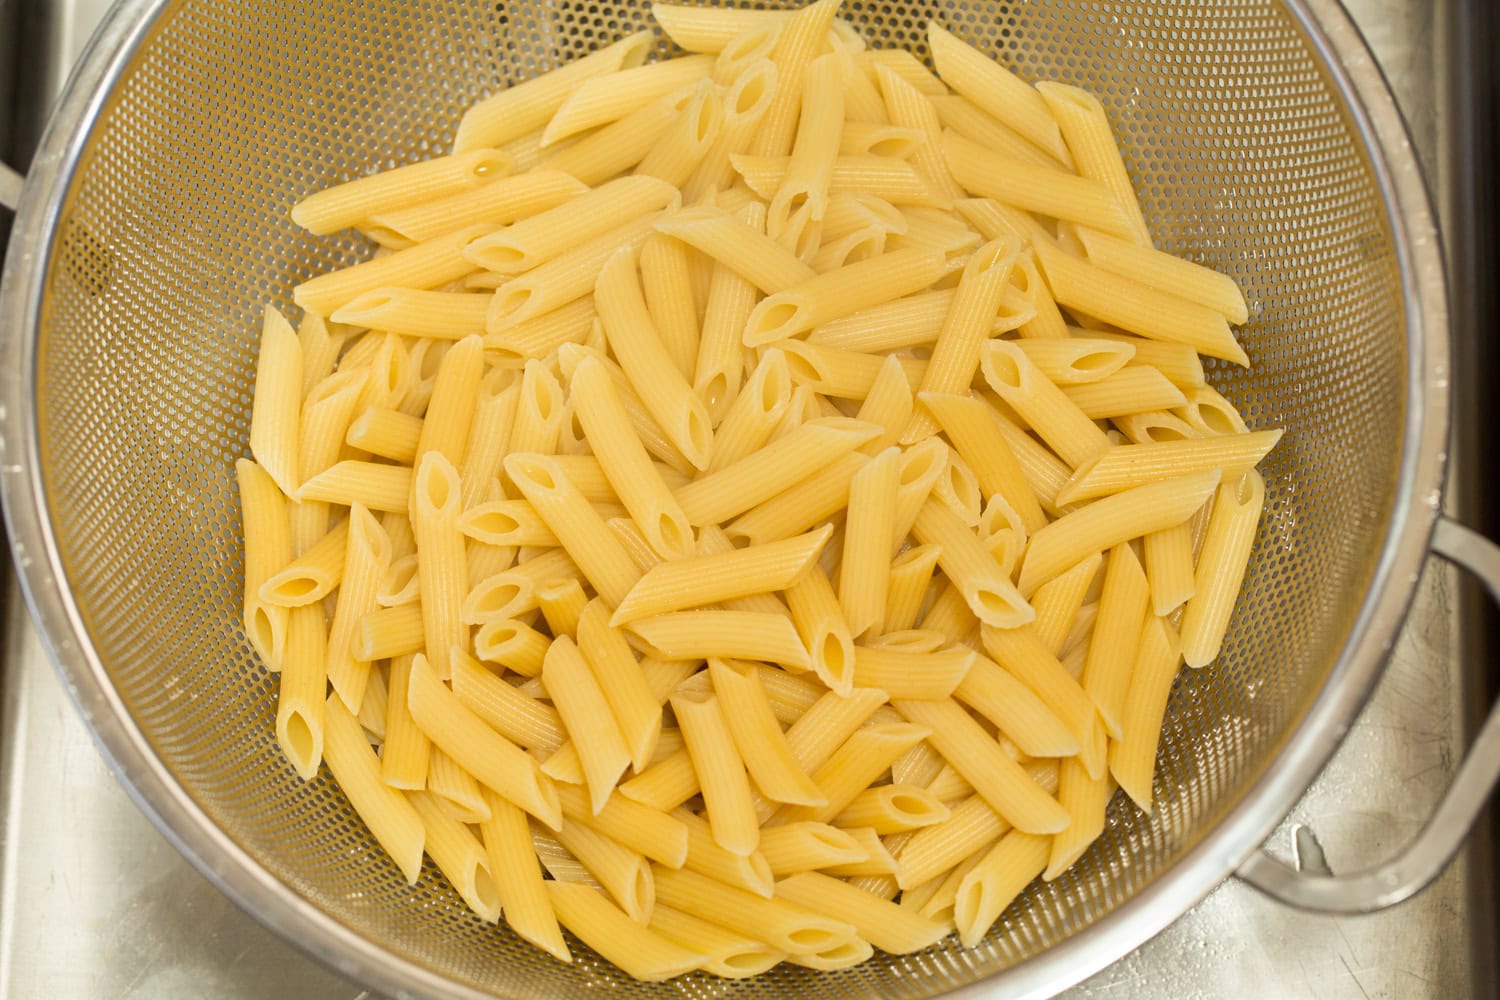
[95, 903]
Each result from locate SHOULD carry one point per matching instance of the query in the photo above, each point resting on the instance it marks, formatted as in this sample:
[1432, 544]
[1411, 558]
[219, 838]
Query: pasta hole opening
[809, 235]
[1001, 369]
[908, 804]
[388, 237]
[966, 903]
[370, 302]
[437, 489]
[713, 391]
[917, 467]
[500, 635]
[485, 891]
[1095, 362]
[543, 397]
[301, 744]
[296, 588]
[509, 301]
[1216, 419]
[705, 122]
[750, 94]
[802, 368]
[499, 256]
[673, 535]
[831, 651]
[872, 244]
[534, 473]
[498, 598]
[751, 42]
[816, 939]
[263, 631]
[1164, 432]
[760, 870]
[774, 319]
[642, 894]
[491, 165]
[433, 353]
[994, 603]
[497, 522]
[895, 146]
[749, 962]
[700, 433]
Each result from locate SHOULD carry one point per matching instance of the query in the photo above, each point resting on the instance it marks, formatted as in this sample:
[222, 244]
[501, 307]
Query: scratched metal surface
[94, 903]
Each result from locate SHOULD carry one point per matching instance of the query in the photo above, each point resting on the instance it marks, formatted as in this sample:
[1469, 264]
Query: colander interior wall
[175, 234]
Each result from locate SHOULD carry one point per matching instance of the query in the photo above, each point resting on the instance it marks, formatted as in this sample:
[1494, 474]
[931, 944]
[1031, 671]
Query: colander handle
[10, 187]
[1314, 887]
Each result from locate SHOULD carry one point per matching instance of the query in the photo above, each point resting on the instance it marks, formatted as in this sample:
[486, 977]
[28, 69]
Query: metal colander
[155, 227]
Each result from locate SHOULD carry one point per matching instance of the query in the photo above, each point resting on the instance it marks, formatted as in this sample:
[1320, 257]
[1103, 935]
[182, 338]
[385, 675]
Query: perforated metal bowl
[155, 226]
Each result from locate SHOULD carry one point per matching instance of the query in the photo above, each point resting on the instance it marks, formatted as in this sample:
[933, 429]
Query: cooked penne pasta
[720, 768]
[1132, 758]
[459, 856]
[268, 548]
[597, 922]
[636, 709]
[606, 98]
[887, 926]
[737, 635]
[1221, 566]
[302, 691]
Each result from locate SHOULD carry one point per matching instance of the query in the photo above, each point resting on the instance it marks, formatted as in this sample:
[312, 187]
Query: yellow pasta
[275, 412]
[1221, 566]
[761, 744]
[828, 296]
[367, 554]
[268, 548]
[608, 98]
[498, 202]
[1015, 710]
[300, 701]
[738, 635]
[518, 878]
[1132, 759]
[1056, 419]
[721, 772]
[783, 925]
[1126, 466]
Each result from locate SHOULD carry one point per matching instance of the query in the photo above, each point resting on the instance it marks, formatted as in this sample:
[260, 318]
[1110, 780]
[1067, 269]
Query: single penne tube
[783, 925]
[864, 571]
[801, 505]
[1133, 389]
[526, 721]
[584, 709]
[1076, 360]
[1221, 566]
[385, 432]
[406, 751]
[893, 808]
[889, 927]
[623, 873]
[721, 772]
[755, 413]
[664, 785]
[986, 588]
[377, 486]
[996, 90]
[302, 690]
[387, 813]
[1057, 601]
[541, 335]
[276, 406]
[540, 405]
[1111, 520]
[533, 241]
[608, 98]
[828, 296]
[979, 438]
[1086, 799]
[671, 300]
[824, 630]
[347, 204]
[906, 105]
[326, 413]
[598, 923]
[1085, 129]
[456, 791]
[719, 367]
[807, 846]
[810, 169]
[889, 403]
[803, 35]
[590, 474]
[659, 836]
[518, 877]
[910, 576]
[737, 245]
[864, 138]
[499, 202]
[1183, 278]
[1153, 428]
[321, 348]
[646, 362]
[1132, 758]
[268, 548]
[830, 371]
[625, 463]
[1169, 567]
[413, 312]
[425, 265]
[892, 180]
[1016, 711]
[1042, 190]
[585, 537]
[313, 575]
[1135, 307]
[906, 674]
[707, 857]
[1127, 466]
[1023, 654]
[743, 635]
[1003, 783]
[500, 597]
[922, 464]
[491, 758]
[1046, 408]
[1209, 413]
[513, 645]
[441, 567]
[853, 767]
[367, 554]
[994, 883]
[723, 952]
[637, 711]
[759, 738]
[718, 496]
[913, 321]
[450, 414]
[710, 579]
[560, 281]
[459, 856]
[955, 355]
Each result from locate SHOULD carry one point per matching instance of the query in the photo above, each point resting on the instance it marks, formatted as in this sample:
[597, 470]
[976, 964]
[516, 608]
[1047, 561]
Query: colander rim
[1284, 774]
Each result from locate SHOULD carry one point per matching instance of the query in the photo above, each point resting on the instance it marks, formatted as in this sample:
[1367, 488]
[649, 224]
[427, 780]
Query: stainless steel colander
[154, 227]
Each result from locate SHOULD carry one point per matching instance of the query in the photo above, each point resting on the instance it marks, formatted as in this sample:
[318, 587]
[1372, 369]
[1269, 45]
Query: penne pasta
[1221, 566]
[738, 635]
[1132, 758]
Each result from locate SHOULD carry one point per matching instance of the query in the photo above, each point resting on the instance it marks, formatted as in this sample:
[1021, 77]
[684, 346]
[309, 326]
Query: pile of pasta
[756, 503]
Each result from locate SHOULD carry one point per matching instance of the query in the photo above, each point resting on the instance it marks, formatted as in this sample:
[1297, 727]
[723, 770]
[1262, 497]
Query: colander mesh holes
[177, 233]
